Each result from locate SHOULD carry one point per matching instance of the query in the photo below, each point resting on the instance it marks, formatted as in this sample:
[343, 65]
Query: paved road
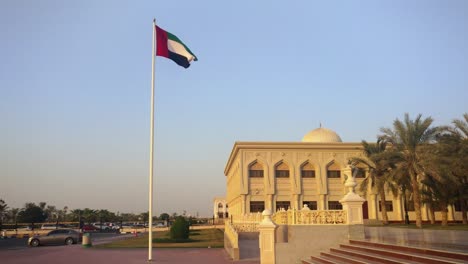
[19, 243]
[76, 254]
[15, 251]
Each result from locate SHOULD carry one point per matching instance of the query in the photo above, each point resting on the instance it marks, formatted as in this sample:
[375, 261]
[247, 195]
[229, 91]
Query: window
[334, 205]
[388, 206]
[257, 207]
[307, 171]
[282, 170]
[410, 206]
[256, 170]
[311, 204]
[282, 204]
[359, 172]
[457, 206]
[333, 171]
[334, 174]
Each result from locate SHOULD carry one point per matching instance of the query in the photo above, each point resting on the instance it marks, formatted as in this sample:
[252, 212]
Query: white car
[50, 226]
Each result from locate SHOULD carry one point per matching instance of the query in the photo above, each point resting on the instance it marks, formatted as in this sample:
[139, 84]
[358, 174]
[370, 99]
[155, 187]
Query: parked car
[56, 237]
[51, 226]
[88, 228]
[104, 226]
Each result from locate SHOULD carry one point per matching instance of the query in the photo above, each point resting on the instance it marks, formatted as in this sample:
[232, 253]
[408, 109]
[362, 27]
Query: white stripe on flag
[178, 48]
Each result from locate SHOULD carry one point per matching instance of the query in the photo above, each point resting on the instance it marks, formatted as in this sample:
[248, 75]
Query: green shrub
[180, 229]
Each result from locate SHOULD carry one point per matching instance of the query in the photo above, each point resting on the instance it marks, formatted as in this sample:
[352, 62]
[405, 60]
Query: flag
[171, 47]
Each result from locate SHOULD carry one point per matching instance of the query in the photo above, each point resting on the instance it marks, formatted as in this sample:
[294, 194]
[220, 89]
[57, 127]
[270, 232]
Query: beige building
[220, 208]
[274, 175]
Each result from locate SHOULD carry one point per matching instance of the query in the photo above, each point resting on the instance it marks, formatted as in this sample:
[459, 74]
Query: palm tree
[51, 212]
[379, 161]
[441, 192]
[3, 210]
[408, 136]
[14, 215]
[460, 165]
[64, 212]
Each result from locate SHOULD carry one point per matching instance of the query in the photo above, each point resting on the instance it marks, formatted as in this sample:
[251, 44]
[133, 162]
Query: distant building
[220, 208]
[286, 175]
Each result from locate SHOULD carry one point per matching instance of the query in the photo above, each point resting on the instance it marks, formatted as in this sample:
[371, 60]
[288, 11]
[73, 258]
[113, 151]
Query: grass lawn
[202, 238]
[460, 227]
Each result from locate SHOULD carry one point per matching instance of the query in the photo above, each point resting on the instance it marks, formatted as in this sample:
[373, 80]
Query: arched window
[307, 171]
[333, 171]
[220, 206]
[256, 170]
[282, 170]
[359, 171]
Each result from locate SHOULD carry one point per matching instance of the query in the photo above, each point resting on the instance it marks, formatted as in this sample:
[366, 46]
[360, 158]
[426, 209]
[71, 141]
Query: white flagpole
[150, 199]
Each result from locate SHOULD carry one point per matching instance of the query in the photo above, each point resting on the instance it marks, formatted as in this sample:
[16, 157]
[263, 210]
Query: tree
[63, 213]
[180, 229]
[379, 160]
[440, 191]
[14, 214]
[89, 215]
[32, 214]
[460, 162]
[408, 137]
[51, 212]
[3, 211]
[164, 216]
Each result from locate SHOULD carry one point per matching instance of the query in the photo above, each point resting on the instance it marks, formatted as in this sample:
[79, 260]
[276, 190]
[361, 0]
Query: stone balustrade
[250, 222]
[231, 240]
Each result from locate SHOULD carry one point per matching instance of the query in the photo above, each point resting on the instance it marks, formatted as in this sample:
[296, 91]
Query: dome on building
[322, 135]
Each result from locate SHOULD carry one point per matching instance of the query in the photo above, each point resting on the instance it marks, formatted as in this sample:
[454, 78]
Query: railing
[231, 234]
[309, 217]
[250, 222]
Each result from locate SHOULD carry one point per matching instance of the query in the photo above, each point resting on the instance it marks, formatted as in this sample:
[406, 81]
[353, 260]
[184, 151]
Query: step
[319, 260]
[342, 258]
[425, 251]
[370, 257]
[400, 255]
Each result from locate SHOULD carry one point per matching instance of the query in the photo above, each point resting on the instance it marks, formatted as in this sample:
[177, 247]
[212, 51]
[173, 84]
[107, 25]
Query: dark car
[88, 228]
[56, 237]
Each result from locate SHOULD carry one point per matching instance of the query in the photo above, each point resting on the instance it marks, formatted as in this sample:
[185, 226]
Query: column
[398, 205]
[269, 202]
[321, 203]
[267, 239]
[243, 204]
[450, 213]
[295, 202]
[373, 207]
[424, 212]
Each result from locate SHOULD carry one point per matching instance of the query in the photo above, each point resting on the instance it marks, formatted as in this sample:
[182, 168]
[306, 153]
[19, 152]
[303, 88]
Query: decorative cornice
[238, 145]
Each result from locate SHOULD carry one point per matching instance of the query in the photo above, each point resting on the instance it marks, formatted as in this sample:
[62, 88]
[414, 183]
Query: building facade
[220, 208]
[277, 175]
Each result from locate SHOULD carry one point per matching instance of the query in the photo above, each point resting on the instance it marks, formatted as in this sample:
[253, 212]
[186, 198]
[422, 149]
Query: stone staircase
[363, 252]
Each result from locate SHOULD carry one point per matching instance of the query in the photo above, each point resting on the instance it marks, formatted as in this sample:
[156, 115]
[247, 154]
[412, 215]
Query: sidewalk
[452, 240]
[77, 254]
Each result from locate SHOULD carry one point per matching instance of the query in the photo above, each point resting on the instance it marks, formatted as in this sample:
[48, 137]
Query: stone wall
[294, 243]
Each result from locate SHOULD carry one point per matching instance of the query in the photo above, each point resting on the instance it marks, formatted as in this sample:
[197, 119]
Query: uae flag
[171, 47]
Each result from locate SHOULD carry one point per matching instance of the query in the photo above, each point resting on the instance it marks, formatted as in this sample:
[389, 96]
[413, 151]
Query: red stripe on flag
[161, 45]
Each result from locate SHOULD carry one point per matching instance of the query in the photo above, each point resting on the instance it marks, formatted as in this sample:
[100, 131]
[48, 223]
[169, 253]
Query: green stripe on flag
[174, 38]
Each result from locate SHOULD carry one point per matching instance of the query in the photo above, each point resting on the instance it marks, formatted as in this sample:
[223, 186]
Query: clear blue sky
[75, 89]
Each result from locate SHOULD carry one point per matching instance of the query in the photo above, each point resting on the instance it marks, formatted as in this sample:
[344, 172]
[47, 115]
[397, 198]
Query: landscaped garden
[198, 238]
